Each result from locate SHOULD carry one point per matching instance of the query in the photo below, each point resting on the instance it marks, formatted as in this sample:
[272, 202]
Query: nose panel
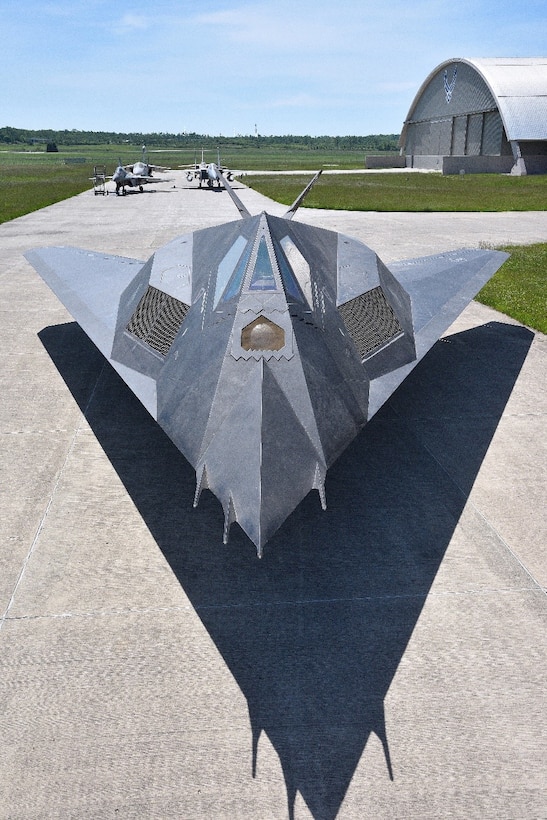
[250, 463]
[262, 334]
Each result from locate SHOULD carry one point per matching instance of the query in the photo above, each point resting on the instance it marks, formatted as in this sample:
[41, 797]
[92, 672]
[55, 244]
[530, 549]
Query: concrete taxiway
[386, 658]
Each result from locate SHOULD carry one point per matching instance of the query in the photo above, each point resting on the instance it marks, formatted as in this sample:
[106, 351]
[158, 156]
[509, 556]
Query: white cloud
[277, 28]
[134, 22]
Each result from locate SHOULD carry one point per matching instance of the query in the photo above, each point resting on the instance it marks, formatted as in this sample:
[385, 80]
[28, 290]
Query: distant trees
[371, 142]
[12, 135]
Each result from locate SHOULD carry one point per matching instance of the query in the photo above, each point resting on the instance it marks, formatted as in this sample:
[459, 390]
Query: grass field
[519, 288]
[410, 192]
[29, 181]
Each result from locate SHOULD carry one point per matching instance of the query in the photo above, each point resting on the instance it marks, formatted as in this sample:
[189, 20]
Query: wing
[203, 334]
[90, 286]
[137, 179]
[158, 179]
[439, 287]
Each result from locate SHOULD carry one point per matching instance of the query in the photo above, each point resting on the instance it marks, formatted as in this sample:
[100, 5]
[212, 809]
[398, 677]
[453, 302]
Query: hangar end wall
[477, 116]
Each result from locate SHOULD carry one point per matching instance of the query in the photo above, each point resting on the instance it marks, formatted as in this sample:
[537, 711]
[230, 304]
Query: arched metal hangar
[484, 115]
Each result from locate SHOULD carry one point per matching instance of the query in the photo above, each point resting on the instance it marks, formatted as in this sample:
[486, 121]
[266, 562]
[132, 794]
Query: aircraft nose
[258, 396]
[250, 462]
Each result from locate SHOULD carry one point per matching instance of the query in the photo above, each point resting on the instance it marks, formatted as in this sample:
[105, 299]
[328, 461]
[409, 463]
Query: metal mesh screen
[459, 136]
[370, 322]
[429, 138]
[474, 135]
[157, 319]
[493, 132]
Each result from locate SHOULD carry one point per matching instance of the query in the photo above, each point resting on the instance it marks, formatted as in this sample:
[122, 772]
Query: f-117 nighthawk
[262, 346]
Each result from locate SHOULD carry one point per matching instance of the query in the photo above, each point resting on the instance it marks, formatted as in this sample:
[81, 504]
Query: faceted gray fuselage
[263, 346]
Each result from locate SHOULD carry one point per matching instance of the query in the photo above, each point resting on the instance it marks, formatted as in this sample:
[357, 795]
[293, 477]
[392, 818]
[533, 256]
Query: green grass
[410, 192]
[519, 288]
[26, 192]
[293, 159]
[29, 182]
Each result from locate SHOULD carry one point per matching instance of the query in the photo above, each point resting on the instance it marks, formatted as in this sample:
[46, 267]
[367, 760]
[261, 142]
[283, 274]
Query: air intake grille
[157, 319]
[370, 322]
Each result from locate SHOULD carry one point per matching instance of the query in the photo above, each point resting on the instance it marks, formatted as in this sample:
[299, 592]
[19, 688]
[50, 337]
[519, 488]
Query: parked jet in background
[208, 172]
[136, 175]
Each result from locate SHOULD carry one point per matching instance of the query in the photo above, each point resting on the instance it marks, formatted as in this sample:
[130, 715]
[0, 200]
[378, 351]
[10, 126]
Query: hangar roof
[518, 84]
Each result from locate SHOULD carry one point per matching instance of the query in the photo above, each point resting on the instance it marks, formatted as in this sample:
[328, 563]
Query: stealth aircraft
[264, 345]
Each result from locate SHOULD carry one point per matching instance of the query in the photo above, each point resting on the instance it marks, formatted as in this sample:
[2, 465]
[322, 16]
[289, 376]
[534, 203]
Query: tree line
[22, 136]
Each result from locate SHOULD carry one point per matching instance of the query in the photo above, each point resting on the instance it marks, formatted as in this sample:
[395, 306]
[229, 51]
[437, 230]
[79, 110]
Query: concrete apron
[386, 658]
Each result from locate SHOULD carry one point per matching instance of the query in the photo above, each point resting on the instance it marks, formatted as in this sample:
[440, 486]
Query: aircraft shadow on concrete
[313, 633]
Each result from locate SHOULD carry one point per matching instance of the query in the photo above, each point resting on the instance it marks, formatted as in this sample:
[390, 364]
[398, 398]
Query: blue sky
[222, 67]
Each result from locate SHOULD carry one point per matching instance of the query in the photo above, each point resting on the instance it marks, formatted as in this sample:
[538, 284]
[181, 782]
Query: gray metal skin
[263, 346]
[136, 175]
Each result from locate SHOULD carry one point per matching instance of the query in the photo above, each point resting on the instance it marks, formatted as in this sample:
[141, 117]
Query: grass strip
[410, 192]
[519, 288]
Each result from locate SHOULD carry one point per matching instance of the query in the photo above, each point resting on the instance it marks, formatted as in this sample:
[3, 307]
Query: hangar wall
[455, 124]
